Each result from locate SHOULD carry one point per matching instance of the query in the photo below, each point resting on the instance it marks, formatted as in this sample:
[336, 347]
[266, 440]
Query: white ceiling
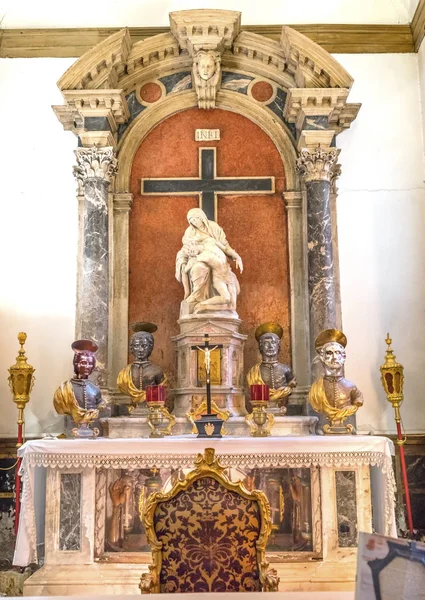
[144, 13]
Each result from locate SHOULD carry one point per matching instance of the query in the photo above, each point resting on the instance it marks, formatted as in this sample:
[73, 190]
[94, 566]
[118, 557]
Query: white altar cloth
[175, 452]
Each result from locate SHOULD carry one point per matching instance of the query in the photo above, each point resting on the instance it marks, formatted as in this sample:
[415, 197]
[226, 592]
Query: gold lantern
[392, 379]
[21, 381]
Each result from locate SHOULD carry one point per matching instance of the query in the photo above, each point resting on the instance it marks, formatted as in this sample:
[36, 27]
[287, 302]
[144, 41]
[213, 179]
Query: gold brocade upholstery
[208, 534]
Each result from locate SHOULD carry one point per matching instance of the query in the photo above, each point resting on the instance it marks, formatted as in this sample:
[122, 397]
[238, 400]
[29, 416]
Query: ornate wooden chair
[208, 534]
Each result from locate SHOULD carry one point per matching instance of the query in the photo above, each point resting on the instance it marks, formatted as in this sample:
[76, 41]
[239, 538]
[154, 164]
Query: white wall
[142, 13]
[38, 235]
[380, 214]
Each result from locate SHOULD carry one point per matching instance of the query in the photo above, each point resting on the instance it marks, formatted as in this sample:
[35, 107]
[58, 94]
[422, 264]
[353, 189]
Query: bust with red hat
[79, 397]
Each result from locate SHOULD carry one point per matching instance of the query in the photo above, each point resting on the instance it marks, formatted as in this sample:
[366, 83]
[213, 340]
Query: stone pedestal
[228, 391]
[137, 427]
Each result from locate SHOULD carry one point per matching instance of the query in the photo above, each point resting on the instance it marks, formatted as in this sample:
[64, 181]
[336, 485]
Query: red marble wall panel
[255, 226]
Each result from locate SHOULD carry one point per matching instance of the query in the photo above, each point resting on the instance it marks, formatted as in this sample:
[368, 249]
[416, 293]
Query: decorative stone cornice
[105, 108]
[293, 200]
[123, 202]
[317, 164]
[205, 34]
[319, 109]
[205, 29]
[98, 102]
[311, 138]
[314, 64]
[95, 163]
[100, 67]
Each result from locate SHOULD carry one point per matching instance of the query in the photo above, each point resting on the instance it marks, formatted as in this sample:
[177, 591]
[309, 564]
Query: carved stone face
[333, 356]
[269, 344]
[141, 345]
[84, 364]
[206, 66]
[196, 222]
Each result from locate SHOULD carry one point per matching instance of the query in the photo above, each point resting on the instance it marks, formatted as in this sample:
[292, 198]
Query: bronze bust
[135, 377]
[79, 397]
[278, 376]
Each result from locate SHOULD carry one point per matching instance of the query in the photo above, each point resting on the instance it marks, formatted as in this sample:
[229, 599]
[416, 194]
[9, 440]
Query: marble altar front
[341, 479]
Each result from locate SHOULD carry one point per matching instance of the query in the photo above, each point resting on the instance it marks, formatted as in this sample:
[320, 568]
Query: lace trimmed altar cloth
[177, 452]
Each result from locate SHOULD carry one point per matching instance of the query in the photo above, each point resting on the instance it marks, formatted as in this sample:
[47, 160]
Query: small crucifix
[206, 349]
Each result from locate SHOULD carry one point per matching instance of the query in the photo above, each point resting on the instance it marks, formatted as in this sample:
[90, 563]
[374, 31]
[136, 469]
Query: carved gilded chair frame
[206, 466]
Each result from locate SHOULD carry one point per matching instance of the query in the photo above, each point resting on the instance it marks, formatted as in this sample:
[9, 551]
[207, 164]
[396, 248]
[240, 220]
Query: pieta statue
[202, 266]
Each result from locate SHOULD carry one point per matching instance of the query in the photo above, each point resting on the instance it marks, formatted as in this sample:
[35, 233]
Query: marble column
[316, 166]
[94, 169]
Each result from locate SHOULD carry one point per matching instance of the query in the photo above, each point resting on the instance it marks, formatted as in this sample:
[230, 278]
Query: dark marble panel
[177, 82]
[70, 512]
[237, 82]
[278, 103]
[415, 464]
[97, 124]
[321, 283]
[135, 109]
[7, 511]
[316, 123]
[345, 482]
[95, 285]
[134, 105]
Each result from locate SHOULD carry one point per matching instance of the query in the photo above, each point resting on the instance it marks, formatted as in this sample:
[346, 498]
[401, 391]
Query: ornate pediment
[205, 51]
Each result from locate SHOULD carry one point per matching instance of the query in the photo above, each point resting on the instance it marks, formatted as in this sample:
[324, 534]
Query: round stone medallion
[150, 92]
[262, 91]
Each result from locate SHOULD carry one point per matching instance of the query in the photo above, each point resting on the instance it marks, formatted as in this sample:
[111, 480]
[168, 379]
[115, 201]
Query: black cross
[208, 185]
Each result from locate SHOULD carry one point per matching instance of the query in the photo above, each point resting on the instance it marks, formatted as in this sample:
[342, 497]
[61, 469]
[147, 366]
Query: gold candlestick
[158, 413]
[260, 421]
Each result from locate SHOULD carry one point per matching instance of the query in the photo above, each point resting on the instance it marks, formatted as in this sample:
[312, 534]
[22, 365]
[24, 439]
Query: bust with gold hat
[79, 397]
[135, 377]
[278, 376]
[332, 395]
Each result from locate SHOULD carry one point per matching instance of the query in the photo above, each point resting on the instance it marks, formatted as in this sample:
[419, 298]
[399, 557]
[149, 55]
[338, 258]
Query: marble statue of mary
[203, 268]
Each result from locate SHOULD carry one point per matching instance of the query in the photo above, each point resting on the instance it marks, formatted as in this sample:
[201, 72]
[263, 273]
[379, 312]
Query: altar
[208, 303]
[346, 486]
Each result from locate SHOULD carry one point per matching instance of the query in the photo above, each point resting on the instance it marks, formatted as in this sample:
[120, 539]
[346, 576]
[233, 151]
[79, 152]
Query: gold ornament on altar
[196, 413]
[278, 376]
[135, 377]
[21, 381]
[332, 395]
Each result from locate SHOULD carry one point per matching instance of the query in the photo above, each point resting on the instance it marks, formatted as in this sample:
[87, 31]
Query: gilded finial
[390, 358]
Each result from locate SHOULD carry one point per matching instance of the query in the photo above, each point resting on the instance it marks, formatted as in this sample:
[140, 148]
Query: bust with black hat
[278, 376]
[135, 377]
